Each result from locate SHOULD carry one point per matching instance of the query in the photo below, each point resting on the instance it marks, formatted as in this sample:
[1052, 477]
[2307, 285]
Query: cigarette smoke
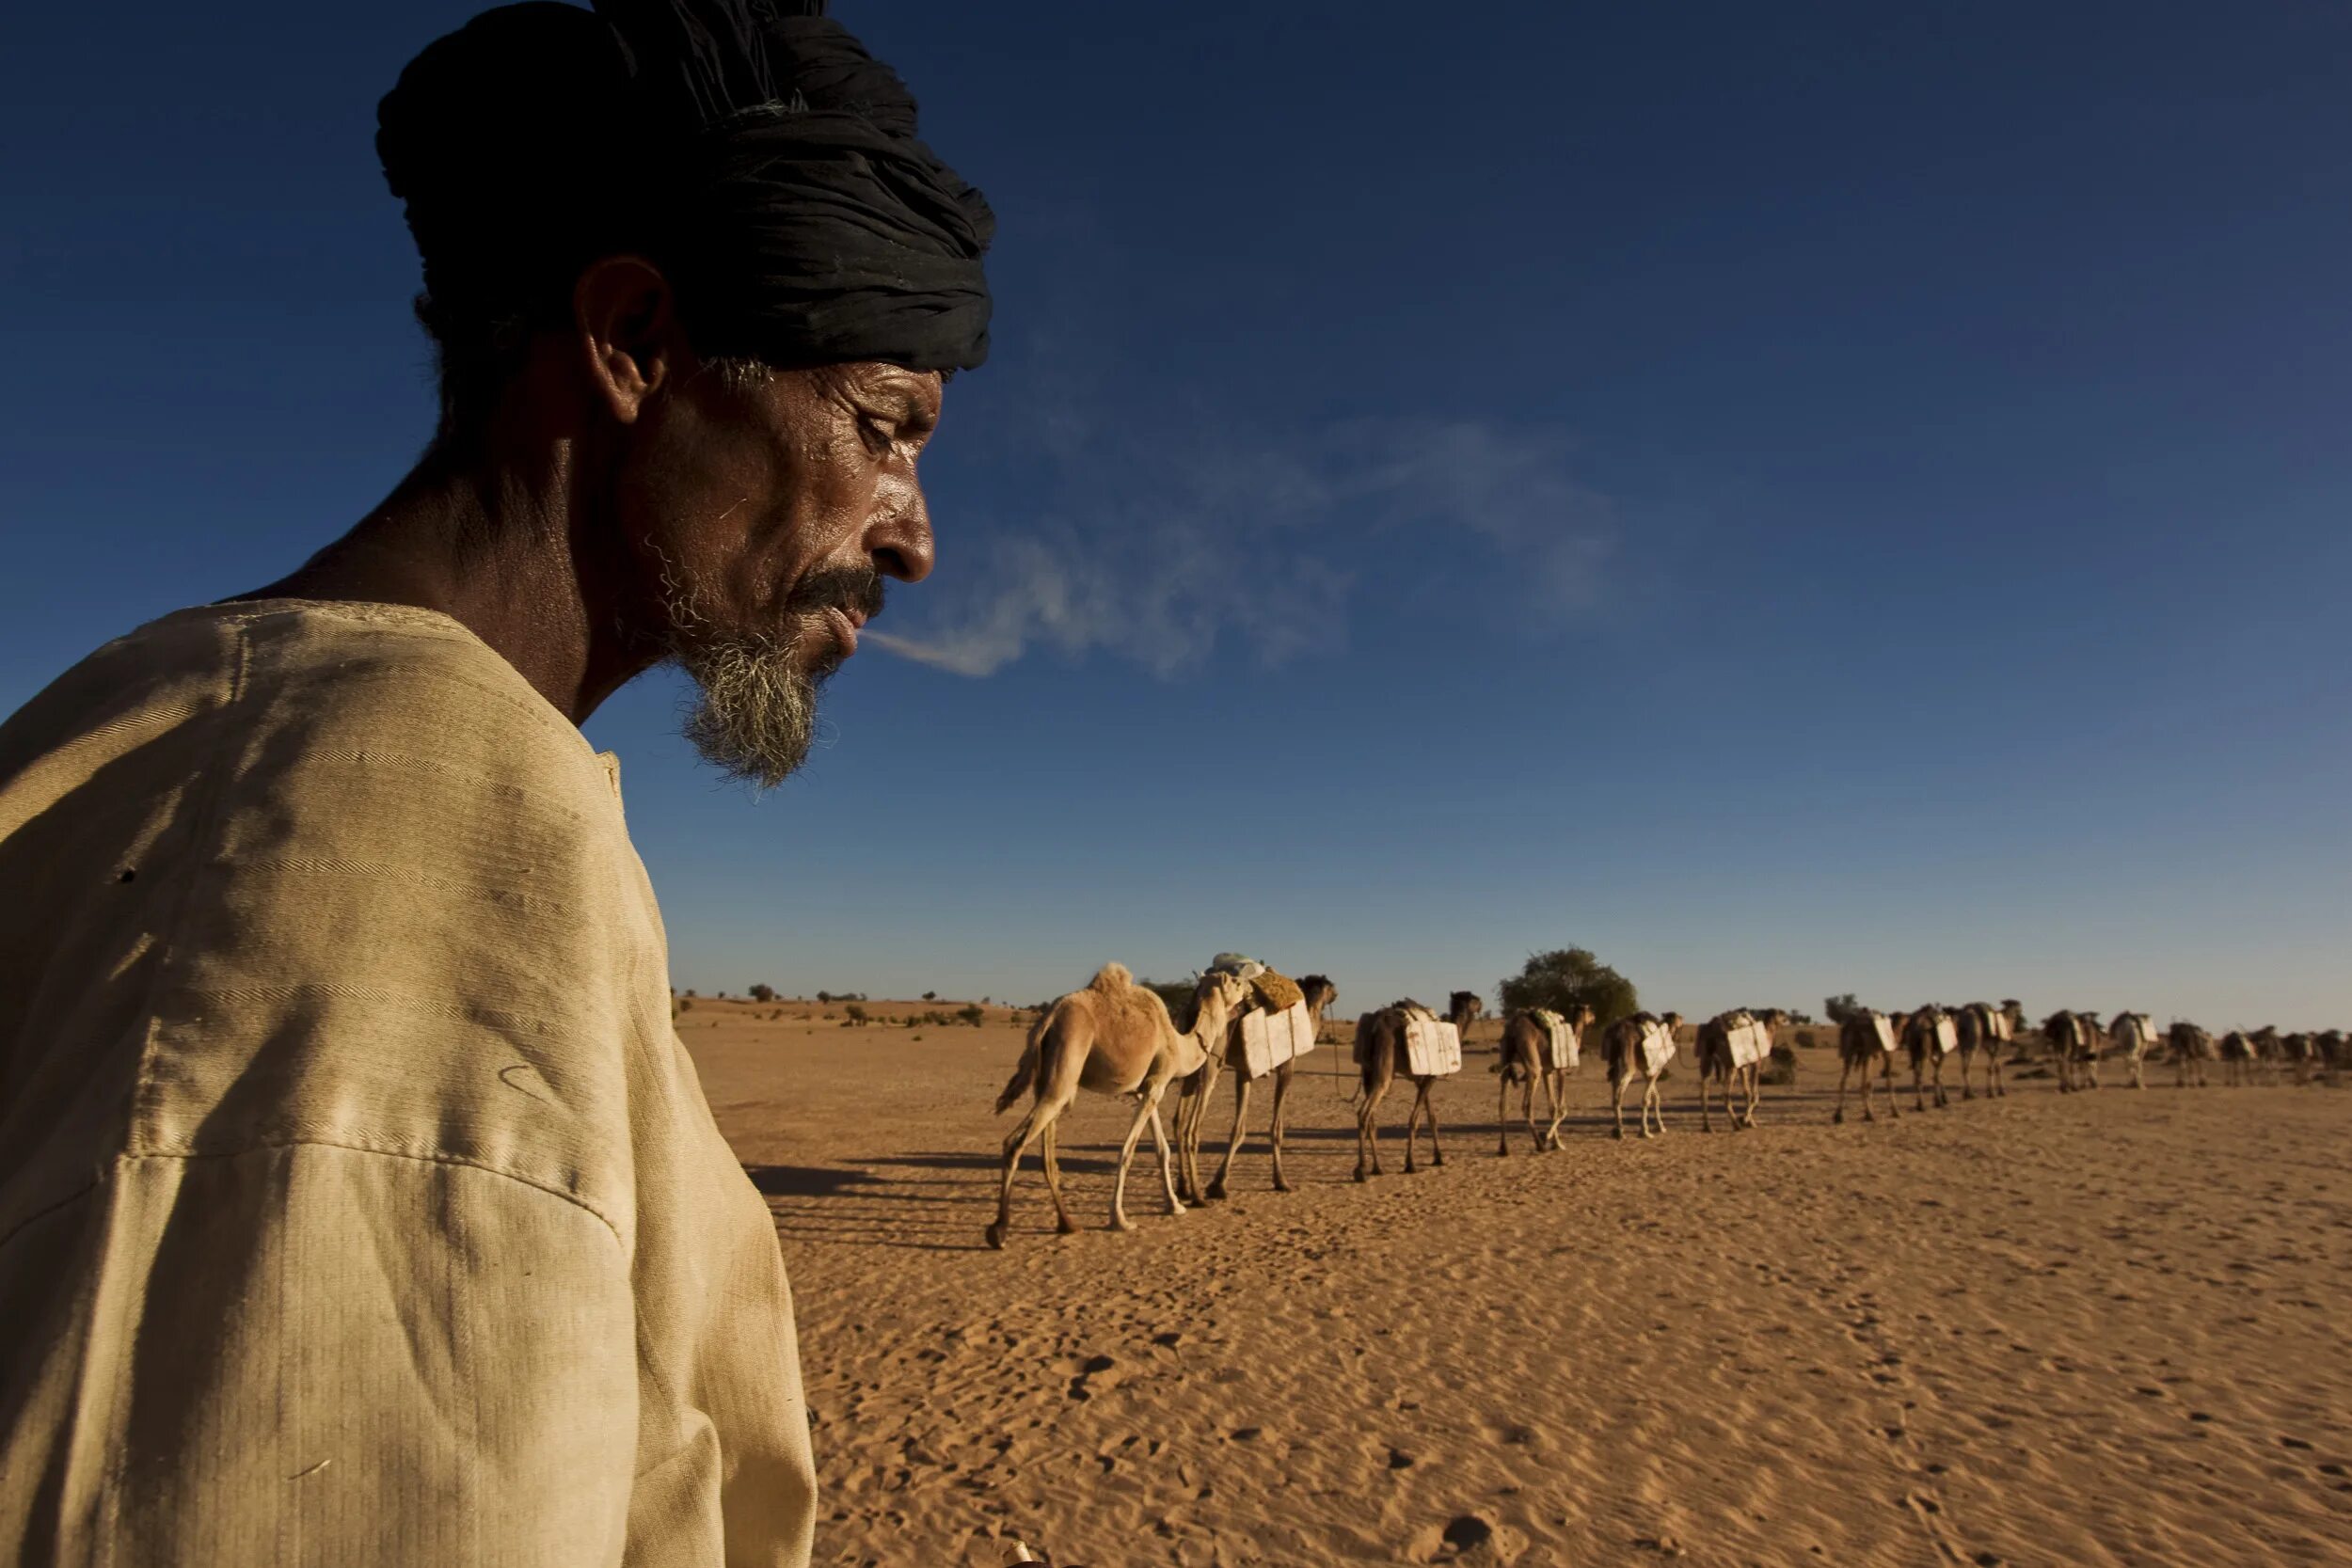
[1158, 555]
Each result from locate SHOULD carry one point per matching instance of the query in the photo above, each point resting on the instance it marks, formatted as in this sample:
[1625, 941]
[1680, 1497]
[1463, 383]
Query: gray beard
[754, 714]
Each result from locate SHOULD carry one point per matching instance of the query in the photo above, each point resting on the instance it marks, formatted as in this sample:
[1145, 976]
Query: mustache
[843, 588]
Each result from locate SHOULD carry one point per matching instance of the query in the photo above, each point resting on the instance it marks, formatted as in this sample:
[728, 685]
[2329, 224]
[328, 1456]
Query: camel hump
[1111, 980]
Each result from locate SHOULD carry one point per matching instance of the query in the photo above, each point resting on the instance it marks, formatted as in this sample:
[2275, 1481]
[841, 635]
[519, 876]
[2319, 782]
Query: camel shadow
[807, 1181]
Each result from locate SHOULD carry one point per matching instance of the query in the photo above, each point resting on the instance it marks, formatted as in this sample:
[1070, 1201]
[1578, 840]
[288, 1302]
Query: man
[357, 1203]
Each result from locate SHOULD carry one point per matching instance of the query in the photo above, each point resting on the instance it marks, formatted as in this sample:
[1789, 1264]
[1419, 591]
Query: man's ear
[627, 325]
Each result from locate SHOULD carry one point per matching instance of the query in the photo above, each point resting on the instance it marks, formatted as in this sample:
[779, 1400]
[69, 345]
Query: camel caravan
[1246, 1020]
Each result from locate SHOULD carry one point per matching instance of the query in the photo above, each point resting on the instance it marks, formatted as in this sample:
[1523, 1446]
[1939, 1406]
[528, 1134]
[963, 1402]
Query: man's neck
[495, 551]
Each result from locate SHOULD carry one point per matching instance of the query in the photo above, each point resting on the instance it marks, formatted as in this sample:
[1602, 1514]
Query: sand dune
[2091, 1329]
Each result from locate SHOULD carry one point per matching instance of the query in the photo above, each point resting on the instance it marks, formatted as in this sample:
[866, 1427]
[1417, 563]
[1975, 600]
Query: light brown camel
[2074, 1040]
[2269, 1053]
[2237, 1060]
[1722, 1041]
[1383, 1056]
[1634, 1047]
[1929, 1035]
[1866, 1039]
[2335, 1052]
[1192, 1110]
[1537, 1046]
[2192, 1047]
[1983, 1030]
[2135, 1035]
[1112, 1038]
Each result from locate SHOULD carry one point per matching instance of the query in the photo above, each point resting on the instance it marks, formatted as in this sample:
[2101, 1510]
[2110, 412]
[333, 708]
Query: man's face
[765, 510]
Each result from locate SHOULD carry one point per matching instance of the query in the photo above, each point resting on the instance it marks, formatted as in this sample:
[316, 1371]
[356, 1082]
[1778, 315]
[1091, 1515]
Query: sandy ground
[2108, 1328]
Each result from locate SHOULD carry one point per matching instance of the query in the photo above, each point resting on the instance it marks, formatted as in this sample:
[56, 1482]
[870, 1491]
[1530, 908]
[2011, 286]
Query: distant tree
[853, 1013]
[690, 991]
[1840, 1007]
[971, 1014]
[763, 993]
[1568, 978]
[825, 998]
[930, 996]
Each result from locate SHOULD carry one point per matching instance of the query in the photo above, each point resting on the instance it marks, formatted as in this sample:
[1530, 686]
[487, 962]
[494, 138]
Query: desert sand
[2105, 1328]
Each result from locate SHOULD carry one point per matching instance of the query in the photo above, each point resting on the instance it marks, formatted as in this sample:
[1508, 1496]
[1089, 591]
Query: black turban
[751, 148]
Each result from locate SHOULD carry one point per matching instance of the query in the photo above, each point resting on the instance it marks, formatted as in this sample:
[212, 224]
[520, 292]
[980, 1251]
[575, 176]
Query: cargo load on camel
[1433, 1046]
[1658, 1047]
[1946, 1035]
[1751, 1042]
[1560, 1042]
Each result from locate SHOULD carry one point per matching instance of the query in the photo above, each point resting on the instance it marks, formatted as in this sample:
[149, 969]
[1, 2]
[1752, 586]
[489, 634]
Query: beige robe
[358, 1202]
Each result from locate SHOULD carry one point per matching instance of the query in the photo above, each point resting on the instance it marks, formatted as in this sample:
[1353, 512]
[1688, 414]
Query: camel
[1929, 1035]
[1983, 1029]
[1526, 1057]
[1718, 1059]
[1112, 1038]
[1192, 1109]
[2134, 1034]
[2192, 1047]
[2267, 1052]
[1382, 1056]
[2335, 1051]
[2300, 1052]
[2237, 1060]
[1631, 1047]
[1866, 1039]
[2075, 1040]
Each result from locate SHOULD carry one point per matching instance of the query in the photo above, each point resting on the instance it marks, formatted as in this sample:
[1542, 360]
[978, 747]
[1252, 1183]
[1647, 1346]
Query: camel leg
[1232, 1143]
[1837, 1115]
[1192, 1104]
[1168, 1174]
[1368, 1133]
[1127, 1156]
[1943, 1100]
[1412, 1125]
[1429, 1110]
[1050, 1147]
[1616, 1102]
[1281, 1120]
[1707, 1123]
[1653, 1104]
[1556, 1101]
[1918, 1091]
[1502, 1115]
[1527, 1108]
[1753, 1088]
[1039, 1117]
[2138, 1080]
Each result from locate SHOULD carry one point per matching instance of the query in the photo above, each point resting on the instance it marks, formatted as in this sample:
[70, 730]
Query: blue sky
[1795, 498]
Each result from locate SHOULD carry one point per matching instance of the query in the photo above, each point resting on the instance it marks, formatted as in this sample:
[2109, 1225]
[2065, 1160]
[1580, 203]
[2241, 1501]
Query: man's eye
[876, 434]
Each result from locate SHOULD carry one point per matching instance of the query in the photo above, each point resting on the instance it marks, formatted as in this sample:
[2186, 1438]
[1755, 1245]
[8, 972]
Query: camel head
[1465, 1007]
[1321, 994]
[1216, 1000]
[1672, 1021]
[1583, 1018]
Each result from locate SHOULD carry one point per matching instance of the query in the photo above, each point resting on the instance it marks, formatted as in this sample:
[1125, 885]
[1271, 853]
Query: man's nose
[900, 542]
